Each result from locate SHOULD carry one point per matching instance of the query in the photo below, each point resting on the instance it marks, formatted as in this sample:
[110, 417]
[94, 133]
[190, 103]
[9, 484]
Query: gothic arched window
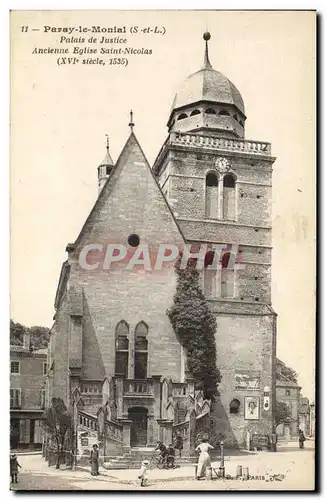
[121, 348]
[224, 112]
[141, 350]
[227, 276]
[182, 116]
[229, 197]
[211, 202]
[195, 112]
[210, 111]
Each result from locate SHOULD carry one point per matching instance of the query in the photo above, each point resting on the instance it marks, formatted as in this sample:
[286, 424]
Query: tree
[285, 370]
[58, 422]
[39, 335]
[17, 332]
[282, 414]
[195, 326]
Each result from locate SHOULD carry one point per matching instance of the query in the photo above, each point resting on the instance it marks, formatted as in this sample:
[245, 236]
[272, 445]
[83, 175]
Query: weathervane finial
[131, 123]
[206, 37]
[107, 142]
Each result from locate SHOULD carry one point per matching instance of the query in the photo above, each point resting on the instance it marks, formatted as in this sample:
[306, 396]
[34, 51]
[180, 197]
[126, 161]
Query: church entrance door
[138, 429]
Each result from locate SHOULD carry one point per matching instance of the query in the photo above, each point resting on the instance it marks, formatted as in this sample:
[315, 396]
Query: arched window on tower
[121, 348]
[241, 123]
[210, 275]
[235, 117]
[182, 116]
[224, 112]
[195, 112]
[227, 276]
[211, 202]
[234, 406]
[210, 111]
[141, 350]
[229, 197]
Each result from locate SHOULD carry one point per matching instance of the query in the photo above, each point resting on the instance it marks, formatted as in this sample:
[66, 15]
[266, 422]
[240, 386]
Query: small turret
[105, 168]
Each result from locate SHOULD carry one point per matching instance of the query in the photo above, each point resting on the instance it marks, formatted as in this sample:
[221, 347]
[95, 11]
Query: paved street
[296, 465]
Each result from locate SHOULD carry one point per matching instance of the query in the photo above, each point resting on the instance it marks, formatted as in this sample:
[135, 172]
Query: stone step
[123, 463]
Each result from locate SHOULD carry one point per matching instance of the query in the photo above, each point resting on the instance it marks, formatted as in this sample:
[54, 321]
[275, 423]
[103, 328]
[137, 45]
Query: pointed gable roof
[131, 153]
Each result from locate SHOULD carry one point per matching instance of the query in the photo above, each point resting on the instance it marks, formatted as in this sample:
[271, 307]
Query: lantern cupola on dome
[208, 101]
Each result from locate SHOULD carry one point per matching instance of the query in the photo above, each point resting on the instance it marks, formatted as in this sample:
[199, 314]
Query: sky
[60, 115]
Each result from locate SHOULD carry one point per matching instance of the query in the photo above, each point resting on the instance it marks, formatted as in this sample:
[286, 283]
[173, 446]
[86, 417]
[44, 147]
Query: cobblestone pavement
[296, 465]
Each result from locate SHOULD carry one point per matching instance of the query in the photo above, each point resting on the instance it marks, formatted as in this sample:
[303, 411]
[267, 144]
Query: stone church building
[113, 355]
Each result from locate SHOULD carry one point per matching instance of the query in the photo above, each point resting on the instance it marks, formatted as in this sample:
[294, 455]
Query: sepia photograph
[162, 247]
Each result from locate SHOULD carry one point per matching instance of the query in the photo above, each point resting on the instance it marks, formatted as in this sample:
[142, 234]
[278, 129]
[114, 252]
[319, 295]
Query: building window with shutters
[141, 350]
[15, 398]
[122, 349]
[15, 367]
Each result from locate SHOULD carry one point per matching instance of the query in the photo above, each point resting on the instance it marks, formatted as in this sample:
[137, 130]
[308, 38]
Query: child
[143, 473]
[14, 468]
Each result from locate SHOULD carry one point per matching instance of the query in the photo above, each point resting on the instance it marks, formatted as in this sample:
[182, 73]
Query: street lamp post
[221, 467]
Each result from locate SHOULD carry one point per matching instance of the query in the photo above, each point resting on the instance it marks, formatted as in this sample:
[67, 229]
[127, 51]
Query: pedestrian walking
[179, 443]
[204, 460]
[94, 460]
[302, 439]
[14, 468]
[143, 473]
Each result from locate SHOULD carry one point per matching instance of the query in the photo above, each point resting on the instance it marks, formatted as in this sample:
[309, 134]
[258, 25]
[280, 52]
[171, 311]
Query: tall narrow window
[227, 276]
[211, 207]
[121, 349]
[229, 197]
[210, 276]
[141, 350]
[15, 398]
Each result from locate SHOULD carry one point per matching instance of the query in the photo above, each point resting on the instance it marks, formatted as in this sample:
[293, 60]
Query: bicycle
[157, 461]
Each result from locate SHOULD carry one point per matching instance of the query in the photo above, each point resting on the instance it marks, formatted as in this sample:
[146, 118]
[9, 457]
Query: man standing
[94, 461]
[14, 468]
[301, 439]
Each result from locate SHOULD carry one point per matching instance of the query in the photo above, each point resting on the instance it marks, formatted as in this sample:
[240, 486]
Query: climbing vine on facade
[195, 326]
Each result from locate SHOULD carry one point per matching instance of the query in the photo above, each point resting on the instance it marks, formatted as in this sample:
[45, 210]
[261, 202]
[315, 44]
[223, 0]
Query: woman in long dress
[94, 460]
[204, 460]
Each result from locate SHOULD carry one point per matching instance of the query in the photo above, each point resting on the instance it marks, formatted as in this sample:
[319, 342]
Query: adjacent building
[113, 355]
[288, 392]
[28, 370]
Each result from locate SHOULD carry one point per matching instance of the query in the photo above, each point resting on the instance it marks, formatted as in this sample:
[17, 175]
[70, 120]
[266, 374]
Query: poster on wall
[246, 379]
[252, 408]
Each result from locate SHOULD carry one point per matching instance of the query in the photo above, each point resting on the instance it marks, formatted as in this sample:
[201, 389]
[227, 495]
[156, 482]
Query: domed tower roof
[213, 88]
[208, 84]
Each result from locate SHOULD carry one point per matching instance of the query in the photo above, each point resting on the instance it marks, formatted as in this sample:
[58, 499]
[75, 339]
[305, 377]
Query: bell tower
[219, 188]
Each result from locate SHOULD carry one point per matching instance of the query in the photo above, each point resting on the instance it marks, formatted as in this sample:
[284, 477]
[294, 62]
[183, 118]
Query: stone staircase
[134, 458]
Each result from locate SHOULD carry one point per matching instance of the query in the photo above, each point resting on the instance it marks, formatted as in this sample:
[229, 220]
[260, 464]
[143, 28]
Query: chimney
[27, 341]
